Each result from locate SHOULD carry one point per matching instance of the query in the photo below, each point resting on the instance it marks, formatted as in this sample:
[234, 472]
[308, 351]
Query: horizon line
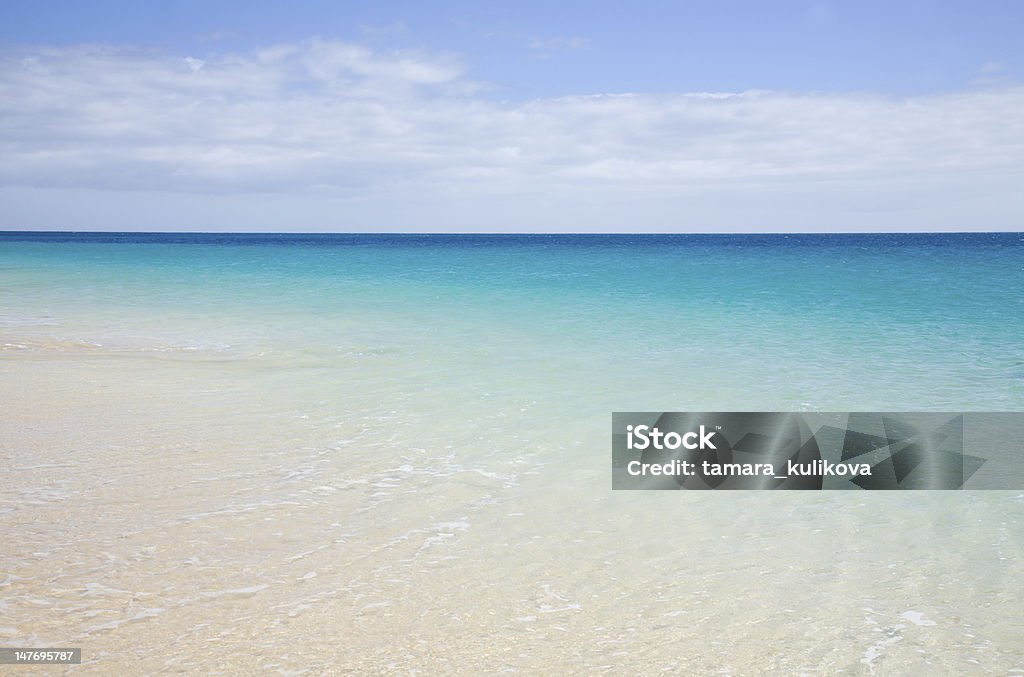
[507, 233]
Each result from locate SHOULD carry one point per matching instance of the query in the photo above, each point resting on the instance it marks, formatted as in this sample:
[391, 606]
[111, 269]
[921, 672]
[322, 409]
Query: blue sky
[522, 116]
[548, 48]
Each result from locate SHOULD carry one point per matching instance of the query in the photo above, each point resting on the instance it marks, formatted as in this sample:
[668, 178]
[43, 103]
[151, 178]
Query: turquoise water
[392, 453]
[875, 322]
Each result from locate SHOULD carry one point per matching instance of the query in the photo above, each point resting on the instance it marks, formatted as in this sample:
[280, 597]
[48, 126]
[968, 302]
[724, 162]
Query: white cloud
[364, 139]
[992, 74]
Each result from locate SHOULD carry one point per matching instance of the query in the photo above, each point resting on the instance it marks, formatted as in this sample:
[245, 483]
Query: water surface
[391, 452]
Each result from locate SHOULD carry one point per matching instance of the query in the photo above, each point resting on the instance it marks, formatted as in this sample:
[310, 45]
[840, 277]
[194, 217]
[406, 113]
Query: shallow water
[391, 454]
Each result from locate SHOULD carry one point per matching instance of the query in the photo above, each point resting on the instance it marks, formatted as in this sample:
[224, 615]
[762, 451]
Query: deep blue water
[520, 240]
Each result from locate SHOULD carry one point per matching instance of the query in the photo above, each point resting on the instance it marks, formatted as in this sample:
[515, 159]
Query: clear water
[387, 452]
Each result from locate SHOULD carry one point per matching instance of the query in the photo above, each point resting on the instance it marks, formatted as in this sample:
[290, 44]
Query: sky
[515, 117]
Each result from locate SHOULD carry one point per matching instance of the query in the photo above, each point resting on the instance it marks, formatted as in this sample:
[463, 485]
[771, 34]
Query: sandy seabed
[185, 516]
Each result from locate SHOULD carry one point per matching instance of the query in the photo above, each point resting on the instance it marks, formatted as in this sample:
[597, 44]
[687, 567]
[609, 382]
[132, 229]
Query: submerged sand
[173, 515]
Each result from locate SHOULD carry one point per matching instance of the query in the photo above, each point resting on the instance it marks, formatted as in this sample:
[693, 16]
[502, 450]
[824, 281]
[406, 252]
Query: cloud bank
[324, 135]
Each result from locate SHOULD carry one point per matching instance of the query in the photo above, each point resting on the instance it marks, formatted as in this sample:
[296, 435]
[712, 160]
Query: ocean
[392, 453]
